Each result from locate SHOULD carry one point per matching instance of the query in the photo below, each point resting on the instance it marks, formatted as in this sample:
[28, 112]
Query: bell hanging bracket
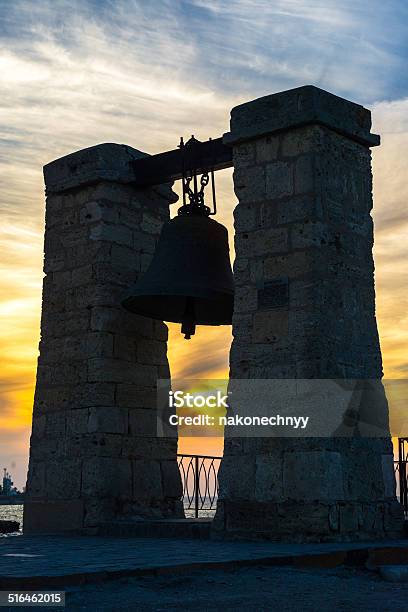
[193, 188]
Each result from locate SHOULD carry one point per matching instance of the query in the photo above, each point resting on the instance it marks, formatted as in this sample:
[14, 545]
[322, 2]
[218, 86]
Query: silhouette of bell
[189, 280]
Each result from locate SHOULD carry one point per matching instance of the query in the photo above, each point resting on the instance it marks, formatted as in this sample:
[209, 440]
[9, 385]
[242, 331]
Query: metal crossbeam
[168, 166]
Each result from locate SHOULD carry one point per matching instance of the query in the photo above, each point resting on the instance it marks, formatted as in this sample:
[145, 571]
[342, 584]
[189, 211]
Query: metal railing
[401, 473]
[199, 475]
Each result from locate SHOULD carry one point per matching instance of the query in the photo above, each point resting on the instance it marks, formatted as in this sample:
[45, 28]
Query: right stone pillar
[305, 309]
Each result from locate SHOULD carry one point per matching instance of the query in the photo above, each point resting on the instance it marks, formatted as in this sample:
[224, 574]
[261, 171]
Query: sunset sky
[74, 74]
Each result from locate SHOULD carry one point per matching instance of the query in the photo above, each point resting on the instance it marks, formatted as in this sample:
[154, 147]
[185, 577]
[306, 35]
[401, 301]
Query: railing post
[402, 468]
[197, 485]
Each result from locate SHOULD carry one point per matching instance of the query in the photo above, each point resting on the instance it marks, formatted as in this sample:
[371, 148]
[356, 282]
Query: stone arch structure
[302, 176]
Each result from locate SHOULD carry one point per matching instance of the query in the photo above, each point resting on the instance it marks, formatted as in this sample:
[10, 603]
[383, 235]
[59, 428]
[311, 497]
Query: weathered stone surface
[269, 478]
[110, 419]
[107, 477]
[97, 360]
[270, 326]
[305, 308]
[313, 475]
[63, 479]
[295, 108]
[147, 482]
[279, 179]
[53, 516]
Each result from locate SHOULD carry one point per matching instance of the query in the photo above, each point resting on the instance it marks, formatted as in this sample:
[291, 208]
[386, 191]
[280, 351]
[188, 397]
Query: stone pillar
[94, 453]
[305, 308]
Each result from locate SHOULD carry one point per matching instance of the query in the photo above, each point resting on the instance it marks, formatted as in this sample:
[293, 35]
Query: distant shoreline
[11, 500]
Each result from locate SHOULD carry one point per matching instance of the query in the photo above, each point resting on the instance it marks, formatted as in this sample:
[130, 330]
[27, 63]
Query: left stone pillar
[95, 456]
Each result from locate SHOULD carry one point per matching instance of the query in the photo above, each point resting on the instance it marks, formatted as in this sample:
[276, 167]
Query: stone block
[81, 276]
[363, 476]
[302, 140]
[249, 184]
[151, 352]
[39, 425]
[266, 149]
[290, 265]
[104, 272]
[388, 474]
[99, 344]
[55, 424]
[151, 224]
[104, 419]
[110, 232]
[171, 479]
[106, 477]
[147, 481]
[144, 243]
[101, 163]
[62, 397]
[63, 479]
[304, 174]
[261, 242]
[125, 347]
[72, 347]
[244, 155]
[131, 214]
[299, 208]
[309, 234]
[100, 210]
[48, 449]
[88, 445]
[74, 237]
[270, 326]
[279, 180]
[98, 511]
[133, 395]
[77, 421]
[295, 108]
[36, 480]
[143, 422]
[349, 517]
[245, 299]
[117, 320]
[152, 448]
[245, 218]
[48, 517]
[313, 475]
[120, 371]
[124, 257]
[237, 478]
[394, 518]
[269, 478]
[161, 331]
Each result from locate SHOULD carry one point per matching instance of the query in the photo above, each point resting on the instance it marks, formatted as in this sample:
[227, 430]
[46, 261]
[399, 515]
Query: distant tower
[7, 483]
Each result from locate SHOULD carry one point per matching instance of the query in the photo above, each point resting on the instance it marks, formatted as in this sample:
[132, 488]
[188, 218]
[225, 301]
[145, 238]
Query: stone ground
[251, 589]
[160, 574]
[51, 558]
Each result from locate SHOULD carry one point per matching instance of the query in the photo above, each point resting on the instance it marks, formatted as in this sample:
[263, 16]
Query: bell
[189, 280]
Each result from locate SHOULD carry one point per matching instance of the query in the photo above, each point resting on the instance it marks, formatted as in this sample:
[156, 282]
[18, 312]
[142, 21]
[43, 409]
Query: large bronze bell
[189, 280]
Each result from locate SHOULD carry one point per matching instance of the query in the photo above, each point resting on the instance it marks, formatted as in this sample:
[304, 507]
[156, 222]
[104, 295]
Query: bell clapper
[188, 323]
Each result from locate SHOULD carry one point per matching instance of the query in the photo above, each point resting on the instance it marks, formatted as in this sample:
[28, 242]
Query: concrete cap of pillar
[297, 107]
[103, 162]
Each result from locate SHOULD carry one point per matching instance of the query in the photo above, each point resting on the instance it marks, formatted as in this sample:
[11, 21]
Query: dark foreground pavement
[248, 589]
[113, 573]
